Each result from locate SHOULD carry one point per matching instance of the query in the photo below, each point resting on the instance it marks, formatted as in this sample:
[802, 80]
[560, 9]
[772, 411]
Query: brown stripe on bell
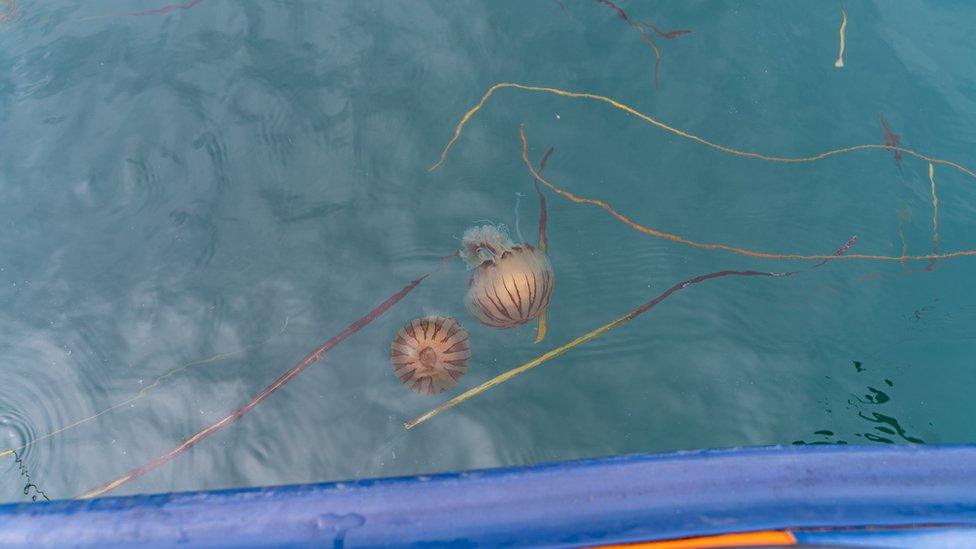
[511, 283]
[430, 354]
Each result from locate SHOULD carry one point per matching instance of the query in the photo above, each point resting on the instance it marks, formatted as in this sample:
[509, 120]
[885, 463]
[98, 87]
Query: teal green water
[229, 185]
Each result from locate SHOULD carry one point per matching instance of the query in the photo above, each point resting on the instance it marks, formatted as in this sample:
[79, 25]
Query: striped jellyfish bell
[510, 283]
[430, 354]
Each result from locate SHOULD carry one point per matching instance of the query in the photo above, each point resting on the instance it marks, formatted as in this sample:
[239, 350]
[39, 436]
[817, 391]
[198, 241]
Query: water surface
[226, 186]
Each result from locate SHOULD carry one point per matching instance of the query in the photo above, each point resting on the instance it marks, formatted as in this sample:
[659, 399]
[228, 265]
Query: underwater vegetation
[843, 27]
[641, 28]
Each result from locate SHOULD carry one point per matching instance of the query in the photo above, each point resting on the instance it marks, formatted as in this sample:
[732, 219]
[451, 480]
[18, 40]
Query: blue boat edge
[825, 494]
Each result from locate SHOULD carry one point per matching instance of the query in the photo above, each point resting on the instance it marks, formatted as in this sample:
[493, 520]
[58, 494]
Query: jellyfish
[430, 354]
[511, 283]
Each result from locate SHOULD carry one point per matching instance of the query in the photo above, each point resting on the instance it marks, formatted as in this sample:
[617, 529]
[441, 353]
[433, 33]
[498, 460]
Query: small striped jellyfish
[510, 283]
[430, 354]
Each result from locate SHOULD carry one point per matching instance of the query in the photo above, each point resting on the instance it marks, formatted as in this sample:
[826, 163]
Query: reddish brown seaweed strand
[542, 327]
[640, 29]
[669, 35]
[840, 251]
[543, 216]
[891, 139]
[310, 358]
[167, 9]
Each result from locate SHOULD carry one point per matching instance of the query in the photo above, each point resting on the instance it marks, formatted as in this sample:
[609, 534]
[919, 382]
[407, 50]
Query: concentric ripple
[38, 396]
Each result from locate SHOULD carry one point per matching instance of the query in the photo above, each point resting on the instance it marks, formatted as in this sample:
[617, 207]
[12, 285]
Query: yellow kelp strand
[843, 25]
[680, 133]
[904, 217]
[935, 210]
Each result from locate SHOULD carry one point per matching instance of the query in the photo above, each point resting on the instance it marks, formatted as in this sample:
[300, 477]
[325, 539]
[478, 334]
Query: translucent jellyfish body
[510, 283]
[430, 354]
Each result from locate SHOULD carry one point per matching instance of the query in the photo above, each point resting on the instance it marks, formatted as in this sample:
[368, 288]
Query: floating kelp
[680, 133]
[543, 326]
[641, 28]
[935, 219]
[904, 219]
[712, 246]
[892, 140]
[843, 27]
[728, 150]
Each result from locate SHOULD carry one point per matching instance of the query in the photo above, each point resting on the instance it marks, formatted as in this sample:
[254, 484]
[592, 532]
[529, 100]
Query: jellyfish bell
[430, 354]
[510, 283]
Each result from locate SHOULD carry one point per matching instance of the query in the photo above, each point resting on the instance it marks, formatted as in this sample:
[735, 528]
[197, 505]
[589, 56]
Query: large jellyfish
[511, 283]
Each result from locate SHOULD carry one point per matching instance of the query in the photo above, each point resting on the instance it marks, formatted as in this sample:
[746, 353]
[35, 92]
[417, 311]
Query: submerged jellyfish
[511, 283]
[430, 354]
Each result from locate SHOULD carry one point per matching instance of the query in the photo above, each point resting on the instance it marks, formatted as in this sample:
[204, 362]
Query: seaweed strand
[935, 218]
[639, 27]
[678, 132]
[839, 63]
[713, 246]
[308, 360]
[543, 326]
